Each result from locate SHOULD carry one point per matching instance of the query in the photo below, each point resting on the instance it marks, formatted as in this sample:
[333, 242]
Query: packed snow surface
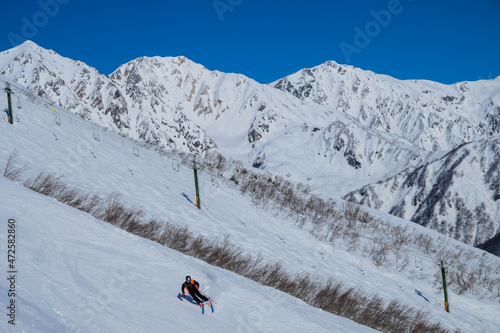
[78, 274]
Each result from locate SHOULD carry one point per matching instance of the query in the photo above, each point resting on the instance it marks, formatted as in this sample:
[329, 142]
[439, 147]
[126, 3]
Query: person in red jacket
[192, 287]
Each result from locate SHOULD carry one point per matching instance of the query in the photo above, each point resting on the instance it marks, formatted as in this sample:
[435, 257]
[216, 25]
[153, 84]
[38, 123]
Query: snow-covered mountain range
[345, 128]
[431, 115]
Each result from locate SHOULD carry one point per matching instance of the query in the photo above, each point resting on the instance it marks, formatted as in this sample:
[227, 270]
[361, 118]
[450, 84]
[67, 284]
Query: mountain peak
[32, 48]
[28, 45]
[157, 62]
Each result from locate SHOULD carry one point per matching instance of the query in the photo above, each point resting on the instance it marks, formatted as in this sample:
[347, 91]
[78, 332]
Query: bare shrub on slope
[12, 171]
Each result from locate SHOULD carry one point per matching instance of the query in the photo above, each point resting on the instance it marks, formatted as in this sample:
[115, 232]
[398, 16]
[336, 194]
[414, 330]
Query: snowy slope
[78, 274]
[164, 189]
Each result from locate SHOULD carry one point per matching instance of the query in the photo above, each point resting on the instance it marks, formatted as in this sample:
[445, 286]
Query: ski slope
[78, 274]
[69, 259]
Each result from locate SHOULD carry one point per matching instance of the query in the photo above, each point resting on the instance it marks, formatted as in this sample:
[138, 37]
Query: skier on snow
[192, 287]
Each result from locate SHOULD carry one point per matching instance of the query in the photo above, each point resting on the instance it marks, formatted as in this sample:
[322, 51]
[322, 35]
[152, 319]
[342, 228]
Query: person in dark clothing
[192, 287]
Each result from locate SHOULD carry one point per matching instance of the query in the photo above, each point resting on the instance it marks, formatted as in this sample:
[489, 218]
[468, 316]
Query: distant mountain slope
[492, 245]
[83, 90]
[457, 194]
[431, 115]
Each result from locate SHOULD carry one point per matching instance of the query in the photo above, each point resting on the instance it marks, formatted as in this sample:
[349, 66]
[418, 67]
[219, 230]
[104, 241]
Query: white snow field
[78, 274]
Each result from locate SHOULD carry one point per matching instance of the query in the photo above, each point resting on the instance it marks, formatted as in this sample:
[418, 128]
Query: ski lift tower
[198, 203]
[9, 92]
[443, 274]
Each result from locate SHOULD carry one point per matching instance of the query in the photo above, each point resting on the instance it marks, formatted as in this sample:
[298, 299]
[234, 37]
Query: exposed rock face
[457, 194]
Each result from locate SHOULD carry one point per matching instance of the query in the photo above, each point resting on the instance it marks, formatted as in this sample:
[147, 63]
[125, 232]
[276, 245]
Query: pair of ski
[209, 302]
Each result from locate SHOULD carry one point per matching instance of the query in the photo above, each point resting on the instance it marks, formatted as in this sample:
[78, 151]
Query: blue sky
[445, 41]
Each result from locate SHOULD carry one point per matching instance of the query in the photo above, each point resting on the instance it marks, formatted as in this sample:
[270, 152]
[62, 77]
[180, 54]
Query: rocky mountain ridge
[433, 116]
